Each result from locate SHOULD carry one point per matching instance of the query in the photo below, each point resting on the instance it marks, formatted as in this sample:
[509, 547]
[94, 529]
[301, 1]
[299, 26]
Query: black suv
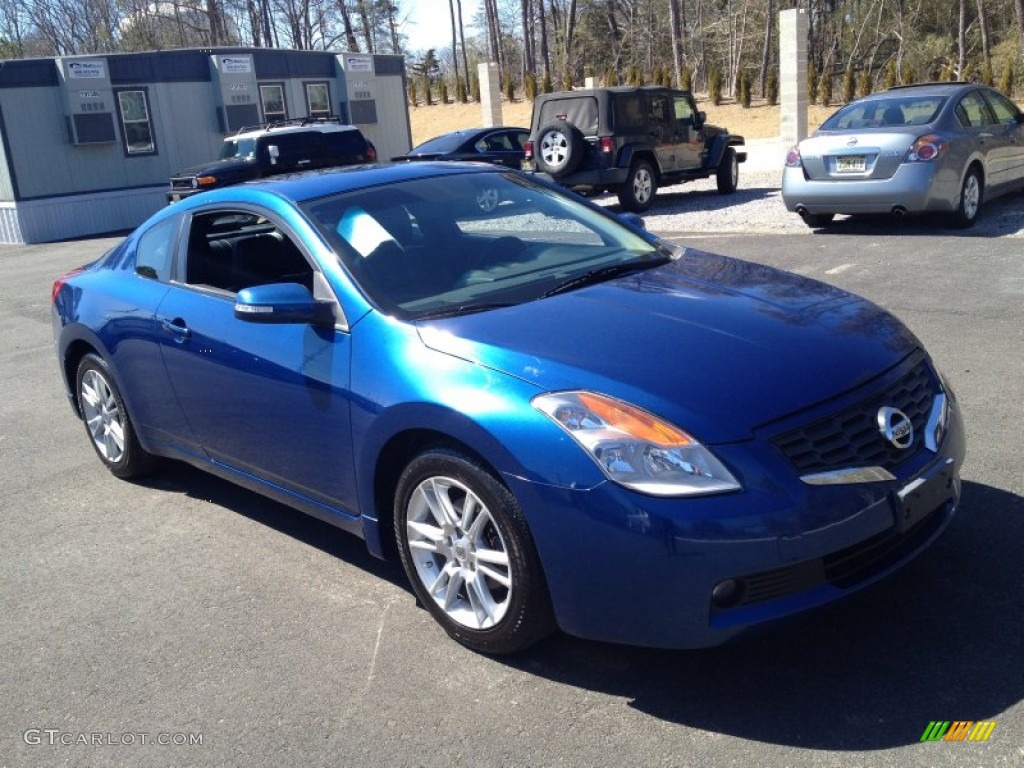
[267, 150]
[630, 141]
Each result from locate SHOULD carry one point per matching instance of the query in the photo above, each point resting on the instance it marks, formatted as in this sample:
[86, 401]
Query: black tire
[106, 420]
[817, 220]
[972, 193]
[640, 188]
[728, 173]
[560, 148]
[483, 614]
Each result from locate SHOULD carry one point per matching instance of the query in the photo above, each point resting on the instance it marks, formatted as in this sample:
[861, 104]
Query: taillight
[371, 153]
[606, 144]
[59, 282]
[528, 150]
[793, 157]
[926, 148]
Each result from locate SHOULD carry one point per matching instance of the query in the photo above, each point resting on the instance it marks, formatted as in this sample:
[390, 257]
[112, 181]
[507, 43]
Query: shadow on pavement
[940, 640]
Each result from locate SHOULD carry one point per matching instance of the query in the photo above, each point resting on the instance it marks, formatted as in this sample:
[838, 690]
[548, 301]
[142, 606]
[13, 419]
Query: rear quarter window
[581, 111]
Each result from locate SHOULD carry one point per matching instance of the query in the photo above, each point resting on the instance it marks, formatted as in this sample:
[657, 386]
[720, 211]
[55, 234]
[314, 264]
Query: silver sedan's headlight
[635, 448]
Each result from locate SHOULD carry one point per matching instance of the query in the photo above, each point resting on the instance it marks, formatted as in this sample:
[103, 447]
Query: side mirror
[702, 117]
[274, 153]
[281, 303]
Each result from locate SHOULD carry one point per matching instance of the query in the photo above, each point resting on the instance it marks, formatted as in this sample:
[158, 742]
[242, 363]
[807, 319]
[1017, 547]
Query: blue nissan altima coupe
[552, 417]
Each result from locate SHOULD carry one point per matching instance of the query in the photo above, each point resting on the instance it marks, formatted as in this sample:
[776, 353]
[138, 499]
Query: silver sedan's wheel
[459, 553]
[106, 420]
[469, 555]
[970, 199]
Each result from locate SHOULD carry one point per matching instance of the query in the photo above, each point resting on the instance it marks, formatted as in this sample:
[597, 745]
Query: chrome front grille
[851, 438]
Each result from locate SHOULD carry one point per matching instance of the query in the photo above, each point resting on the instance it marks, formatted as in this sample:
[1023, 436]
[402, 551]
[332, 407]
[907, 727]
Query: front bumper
[622, 567]
[914, 188]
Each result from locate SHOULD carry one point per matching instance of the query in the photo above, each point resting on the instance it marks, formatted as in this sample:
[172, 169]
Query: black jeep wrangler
[274, 148]
[629, 141]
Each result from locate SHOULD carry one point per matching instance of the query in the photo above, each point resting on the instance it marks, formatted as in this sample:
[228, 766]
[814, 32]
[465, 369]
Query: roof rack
[292, 122]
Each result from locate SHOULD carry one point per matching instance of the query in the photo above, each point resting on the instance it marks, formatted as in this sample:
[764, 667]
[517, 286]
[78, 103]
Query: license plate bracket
[920, 497]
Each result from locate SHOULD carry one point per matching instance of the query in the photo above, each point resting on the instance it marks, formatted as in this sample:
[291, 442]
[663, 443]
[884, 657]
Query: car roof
[310, 185]
[273, 130]
[924, 89]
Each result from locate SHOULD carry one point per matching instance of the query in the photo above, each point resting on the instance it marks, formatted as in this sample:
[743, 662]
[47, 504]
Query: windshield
[238, 148]
[467, 242]
[885, 113]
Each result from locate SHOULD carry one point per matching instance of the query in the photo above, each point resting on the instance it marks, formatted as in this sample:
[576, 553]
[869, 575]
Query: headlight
[635, 448]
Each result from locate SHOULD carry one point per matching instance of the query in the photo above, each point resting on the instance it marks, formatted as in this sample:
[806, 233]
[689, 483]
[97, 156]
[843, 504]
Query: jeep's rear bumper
[597, 177]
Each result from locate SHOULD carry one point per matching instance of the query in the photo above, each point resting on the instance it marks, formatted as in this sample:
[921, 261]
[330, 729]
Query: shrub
[715, 87]
[610, 78]
[1006, 80]
[460, 91]
[890, 75]
[772, 89]
[864, 83]
[686, 79]
[546, 85]
[412, 92]
[510, 88]
[745, 90]
[444, 92]
[531, 86]
[849, 85]
[474, 87]
[427, 98]
[909, 75]
[812, 83]
[825, 89]
[987, 75]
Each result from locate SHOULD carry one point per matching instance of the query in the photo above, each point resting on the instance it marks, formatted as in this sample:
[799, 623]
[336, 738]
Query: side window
[136, 127]
[973, 107]
[1005, 110]
[682, 109]
[232, 250]
[518, 139]
[272, 99]
[155, 250]
[658, 110]
[318, 100]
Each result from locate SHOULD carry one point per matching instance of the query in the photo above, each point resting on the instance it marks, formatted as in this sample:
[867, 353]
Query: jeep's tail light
[528, 150]
[606, 144]
[206, 181]
[371, 152]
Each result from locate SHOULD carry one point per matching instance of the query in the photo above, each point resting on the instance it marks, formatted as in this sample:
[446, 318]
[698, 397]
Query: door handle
[177, 328]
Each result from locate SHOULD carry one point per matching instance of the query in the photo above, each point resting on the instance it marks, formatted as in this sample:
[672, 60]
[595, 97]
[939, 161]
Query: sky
[429, 23]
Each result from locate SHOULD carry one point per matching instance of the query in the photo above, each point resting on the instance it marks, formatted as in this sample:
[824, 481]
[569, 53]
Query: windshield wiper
[466, 309]
[606, 272]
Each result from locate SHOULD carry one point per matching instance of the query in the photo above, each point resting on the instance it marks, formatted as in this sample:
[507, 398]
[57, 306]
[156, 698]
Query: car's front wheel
[106, 420]
[971, 193]
[728, 174]
[641, 186]
[468, 552]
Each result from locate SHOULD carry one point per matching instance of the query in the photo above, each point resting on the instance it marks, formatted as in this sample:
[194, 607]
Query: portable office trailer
[89, 142]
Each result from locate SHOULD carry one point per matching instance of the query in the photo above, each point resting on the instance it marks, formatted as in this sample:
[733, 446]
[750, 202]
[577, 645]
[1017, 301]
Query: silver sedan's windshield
[468, 242]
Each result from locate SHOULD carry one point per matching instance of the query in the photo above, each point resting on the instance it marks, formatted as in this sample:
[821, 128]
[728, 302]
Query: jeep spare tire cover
[560, 148]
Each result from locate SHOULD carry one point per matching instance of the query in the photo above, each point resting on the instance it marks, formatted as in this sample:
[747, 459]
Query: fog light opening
[728, 593]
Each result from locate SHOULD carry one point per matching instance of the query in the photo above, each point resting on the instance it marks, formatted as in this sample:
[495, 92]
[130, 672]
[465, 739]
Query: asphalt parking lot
[185, 610]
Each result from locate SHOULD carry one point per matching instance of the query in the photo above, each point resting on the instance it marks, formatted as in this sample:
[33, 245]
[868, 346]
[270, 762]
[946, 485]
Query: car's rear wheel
[641, 186]
[468, 552]
[728, 174]
[106, 420]
[560, 148]
[971, 194]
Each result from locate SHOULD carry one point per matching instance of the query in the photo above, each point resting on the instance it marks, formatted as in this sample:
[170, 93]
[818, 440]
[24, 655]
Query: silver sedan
[943, 147]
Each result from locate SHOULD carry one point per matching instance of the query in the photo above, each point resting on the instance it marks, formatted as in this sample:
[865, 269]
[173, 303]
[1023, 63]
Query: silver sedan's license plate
[922, 496]
[850, 163]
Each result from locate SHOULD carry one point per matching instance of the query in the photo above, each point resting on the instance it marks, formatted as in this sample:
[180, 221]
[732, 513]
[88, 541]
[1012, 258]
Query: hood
[715, 345]
[218, 167]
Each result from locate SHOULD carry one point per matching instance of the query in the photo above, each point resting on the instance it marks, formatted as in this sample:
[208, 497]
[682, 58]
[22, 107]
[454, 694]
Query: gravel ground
[757, 207]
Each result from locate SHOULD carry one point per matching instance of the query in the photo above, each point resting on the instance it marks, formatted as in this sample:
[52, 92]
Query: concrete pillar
[490, 94]
[793, 75]
[590, 82]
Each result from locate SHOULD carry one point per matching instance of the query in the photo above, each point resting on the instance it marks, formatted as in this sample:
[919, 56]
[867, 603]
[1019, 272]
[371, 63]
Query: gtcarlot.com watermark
[55, 737]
